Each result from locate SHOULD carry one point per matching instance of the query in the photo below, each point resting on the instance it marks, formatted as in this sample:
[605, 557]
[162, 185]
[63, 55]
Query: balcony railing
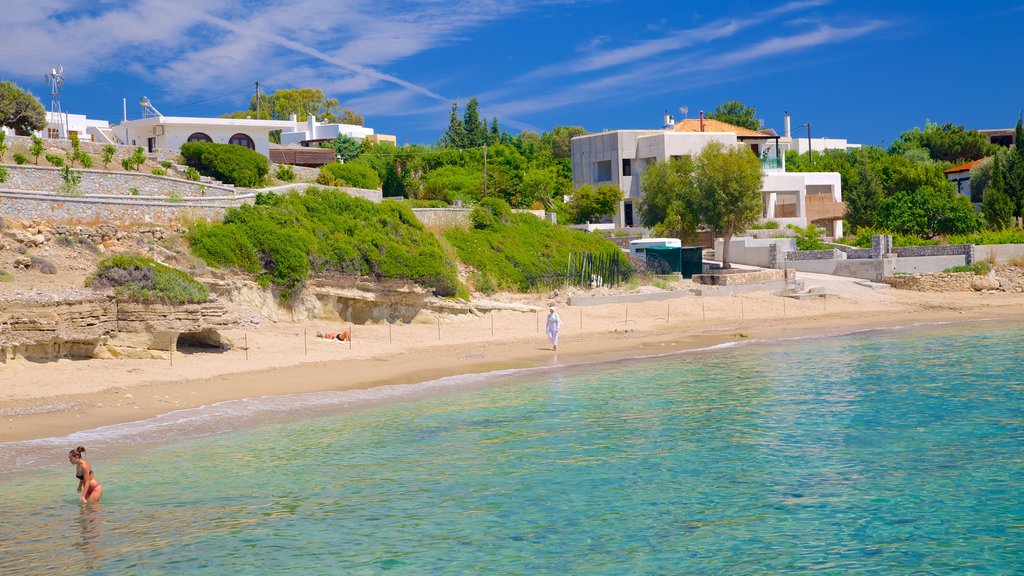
[771, 163]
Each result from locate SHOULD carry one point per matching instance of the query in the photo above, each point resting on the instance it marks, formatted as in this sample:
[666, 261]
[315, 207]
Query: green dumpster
[692, 260]
[665, 259]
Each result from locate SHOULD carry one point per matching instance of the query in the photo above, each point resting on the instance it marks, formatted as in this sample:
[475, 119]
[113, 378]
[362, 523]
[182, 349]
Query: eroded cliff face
[97, 326]
[355, 300]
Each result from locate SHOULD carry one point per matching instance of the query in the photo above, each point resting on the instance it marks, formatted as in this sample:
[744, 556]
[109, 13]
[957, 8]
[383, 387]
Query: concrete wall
[443, 218]
[47, 179]
[1000, 253]
[754, 251]
[928, 264]
[874, 270]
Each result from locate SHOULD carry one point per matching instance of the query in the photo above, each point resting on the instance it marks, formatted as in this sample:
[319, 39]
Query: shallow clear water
[895, 452]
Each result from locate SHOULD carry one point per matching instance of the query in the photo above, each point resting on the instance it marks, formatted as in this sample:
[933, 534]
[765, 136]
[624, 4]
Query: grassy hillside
[284, 238]
[526, 253]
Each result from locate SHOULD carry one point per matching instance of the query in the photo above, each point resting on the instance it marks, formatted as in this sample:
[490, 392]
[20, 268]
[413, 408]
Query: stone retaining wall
[47, 179]
[73, 210]
[943, 282]
[799, 255]
[91, 147]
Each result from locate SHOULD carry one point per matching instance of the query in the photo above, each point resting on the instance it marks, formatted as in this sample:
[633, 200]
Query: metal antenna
[684, 111]
[56, 81]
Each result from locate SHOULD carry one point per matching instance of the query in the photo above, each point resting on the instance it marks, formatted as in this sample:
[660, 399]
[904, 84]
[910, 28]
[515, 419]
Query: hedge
[229, 163]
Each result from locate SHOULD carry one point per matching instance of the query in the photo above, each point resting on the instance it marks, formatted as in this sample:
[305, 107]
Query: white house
[311, 133]
[63, 125]
[960, 176]
[170, 132]
[619, 157]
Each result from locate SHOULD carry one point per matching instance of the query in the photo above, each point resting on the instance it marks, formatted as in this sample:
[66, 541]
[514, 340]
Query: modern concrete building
[312, 134]
[619, 157]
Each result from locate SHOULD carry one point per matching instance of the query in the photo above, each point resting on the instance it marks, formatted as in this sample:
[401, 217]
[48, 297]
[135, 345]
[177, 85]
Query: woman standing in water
[88, 485]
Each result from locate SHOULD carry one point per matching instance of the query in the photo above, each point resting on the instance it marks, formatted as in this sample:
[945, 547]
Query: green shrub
[3, 145]
[159, 172]
[3, 172]
[285, 173]
[54, 160]
[292, 234]
[174, 197]
[108, 154]
[192, 174]
[351, 174]
[490, 212]
[20, 159]
[766, 225]
[167, 164]
[529, 253]
[70, 180]
[422, 203]
[809, 238]
[228, 163]
[83, 158]
[5, 276]
[979, 268]
[37, 147]
[134, 191]
[140, 279]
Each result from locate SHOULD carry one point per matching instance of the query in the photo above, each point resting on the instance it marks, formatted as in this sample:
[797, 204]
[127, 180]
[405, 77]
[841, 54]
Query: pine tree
[476, 129]
[996, 205]
[1014, 176]
[455, 135]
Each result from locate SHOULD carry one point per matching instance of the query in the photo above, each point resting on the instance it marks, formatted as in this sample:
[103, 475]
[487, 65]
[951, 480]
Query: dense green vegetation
[20, 110]
[526, 253]
[348, 174]
[140, 279]
[979, 268]
[228, 163]
[287, 236]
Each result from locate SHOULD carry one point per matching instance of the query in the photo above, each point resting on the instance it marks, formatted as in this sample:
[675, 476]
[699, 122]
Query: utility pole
[257, 99]
[810, 155]
[485, 170]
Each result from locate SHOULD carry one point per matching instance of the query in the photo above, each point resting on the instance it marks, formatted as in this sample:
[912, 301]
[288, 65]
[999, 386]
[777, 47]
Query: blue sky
[861, 70]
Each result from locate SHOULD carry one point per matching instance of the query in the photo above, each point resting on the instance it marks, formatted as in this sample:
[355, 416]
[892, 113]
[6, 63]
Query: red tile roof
[693, 125]
[963, 167]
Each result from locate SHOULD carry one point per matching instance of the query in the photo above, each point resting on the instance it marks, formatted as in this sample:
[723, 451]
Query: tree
[589, 203]
[20, 110]
[349, 116]
[928, 212]
[3, 145]
[108, 154]
[946, 142]
[455, 135]
[1014, 176]
[345, 147]
[476, 128]
[728, 183]
[996, 205]
[862, 195]
[36, 149]
[669, 199]
[558, 141]
[542, 185]
[736, 113]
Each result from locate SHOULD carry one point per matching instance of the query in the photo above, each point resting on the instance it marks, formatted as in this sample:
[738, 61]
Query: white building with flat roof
[170, 132]
[619, 157]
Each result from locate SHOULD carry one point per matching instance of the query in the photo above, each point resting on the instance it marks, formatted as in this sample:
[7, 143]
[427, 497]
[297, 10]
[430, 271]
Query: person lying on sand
[340, 336]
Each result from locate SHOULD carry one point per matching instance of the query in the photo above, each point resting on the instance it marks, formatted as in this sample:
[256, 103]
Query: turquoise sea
[882, 452]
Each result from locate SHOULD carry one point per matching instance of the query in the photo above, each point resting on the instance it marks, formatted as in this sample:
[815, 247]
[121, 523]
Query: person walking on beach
[554, 323]
[88, 485]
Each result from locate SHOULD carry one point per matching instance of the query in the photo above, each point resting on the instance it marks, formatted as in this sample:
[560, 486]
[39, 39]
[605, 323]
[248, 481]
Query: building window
[603, 171]
[242, 140]
[53, 133]
[627, 214]
[199, 137]
[627, 167]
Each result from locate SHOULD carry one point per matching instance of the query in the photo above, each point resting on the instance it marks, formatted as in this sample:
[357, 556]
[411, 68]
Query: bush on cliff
[528, 253]
[287, 236]
[228, 163]
[140, 279]
[354, 174]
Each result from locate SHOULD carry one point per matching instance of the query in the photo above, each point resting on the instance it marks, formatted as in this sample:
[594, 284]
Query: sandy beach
[57, 398]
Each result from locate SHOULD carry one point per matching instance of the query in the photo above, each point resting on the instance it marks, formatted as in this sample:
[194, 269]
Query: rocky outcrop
[1002, 278]
[97, 326]
[358, 300]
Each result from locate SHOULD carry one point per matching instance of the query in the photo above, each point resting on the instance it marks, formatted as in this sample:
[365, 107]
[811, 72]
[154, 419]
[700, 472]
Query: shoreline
[43, 403]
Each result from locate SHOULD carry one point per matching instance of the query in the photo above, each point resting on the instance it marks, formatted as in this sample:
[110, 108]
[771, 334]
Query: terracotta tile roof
[963, 167]
[693, 125]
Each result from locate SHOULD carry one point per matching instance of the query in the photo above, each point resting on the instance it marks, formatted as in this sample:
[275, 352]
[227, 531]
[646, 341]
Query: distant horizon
[865, 72]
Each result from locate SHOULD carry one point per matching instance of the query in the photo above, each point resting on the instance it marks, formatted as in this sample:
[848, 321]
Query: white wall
[174, 135]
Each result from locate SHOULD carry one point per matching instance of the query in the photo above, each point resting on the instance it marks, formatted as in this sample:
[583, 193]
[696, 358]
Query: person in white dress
[554, 323]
